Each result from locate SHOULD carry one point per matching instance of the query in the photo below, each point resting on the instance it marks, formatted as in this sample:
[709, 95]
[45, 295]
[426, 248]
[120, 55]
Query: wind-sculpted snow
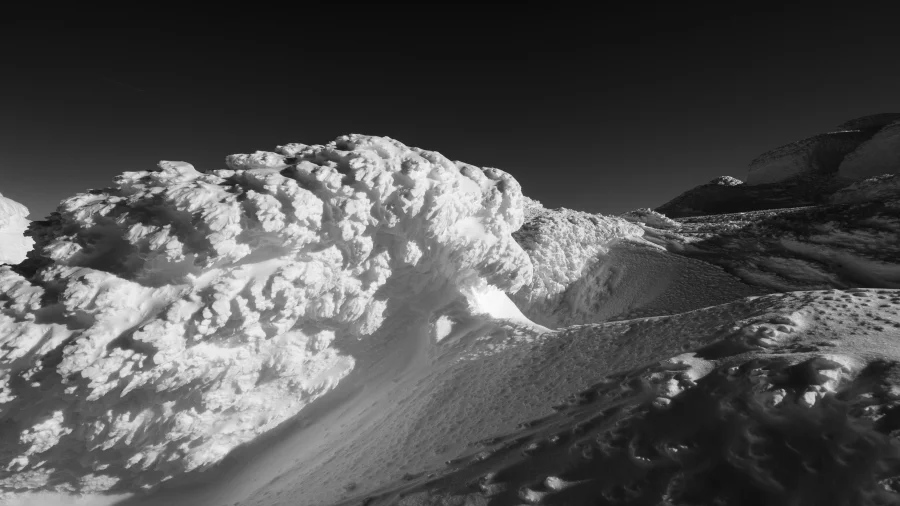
[14, 245]
[590, 268]
[166, 320]
[777, 400]
[563, 244]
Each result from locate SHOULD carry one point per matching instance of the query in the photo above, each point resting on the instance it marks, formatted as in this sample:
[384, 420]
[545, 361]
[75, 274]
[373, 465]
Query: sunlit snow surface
[368, 323]
[166, 320]
[13, 222]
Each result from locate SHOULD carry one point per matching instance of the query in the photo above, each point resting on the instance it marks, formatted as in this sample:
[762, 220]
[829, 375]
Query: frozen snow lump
[166, 320]
[14, 245]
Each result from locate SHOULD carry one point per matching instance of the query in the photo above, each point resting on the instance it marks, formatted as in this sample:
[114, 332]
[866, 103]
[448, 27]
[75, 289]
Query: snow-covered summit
[174, 316]
[14, 245]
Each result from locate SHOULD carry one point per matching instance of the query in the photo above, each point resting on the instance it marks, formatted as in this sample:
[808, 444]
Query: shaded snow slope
[14, 245]
[878, 155]
[835, 246]
[783, 399]
[166, 320]
[821, 154]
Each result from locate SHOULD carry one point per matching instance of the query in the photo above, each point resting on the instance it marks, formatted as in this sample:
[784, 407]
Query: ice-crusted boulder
[166, 320]
[14, 245]
[878, 155]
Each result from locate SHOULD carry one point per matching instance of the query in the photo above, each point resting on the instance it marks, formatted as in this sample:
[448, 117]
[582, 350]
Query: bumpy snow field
[367, 323]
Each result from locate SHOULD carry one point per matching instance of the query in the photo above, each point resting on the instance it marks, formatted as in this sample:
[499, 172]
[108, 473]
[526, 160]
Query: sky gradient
[602, 114]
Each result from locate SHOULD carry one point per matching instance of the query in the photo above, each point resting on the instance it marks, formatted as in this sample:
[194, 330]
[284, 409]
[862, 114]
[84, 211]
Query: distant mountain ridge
[802, 173]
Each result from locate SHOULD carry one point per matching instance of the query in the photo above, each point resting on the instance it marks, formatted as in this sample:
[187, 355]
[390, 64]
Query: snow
[193, 311]
[821, 154]
[364, 322]
[759, 409]
[590, 268]
[878, 155]
[13, 223]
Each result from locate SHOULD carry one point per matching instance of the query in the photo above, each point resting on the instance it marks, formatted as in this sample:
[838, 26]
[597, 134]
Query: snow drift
[14, 245]
[166, 320]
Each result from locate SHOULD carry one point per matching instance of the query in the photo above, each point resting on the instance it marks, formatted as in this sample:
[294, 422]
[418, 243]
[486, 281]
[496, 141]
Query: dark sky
[601, 111]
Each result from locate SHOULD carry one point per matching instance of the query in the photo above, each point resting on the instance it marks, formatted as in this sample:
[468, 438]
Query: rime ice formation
[13, 223]
[179, 314]
[590, 268]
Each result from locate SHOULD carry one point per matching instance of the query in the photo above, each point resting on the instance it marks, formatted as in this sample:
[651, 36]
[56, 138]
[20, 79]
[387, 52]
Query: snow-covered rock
[878, 155]
[14, 245]
[179, 314]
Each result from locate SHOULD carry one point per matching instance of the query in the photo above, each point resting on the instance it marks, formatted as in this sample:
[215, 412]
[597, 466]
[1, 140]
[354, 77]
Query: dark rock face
[803, 173]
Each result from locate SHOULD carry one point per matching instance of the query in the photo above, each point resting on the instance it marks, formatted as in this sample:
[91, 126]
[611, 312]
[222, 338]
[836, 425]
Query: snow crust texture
[788, 399]
[166, 320]
[14, 245]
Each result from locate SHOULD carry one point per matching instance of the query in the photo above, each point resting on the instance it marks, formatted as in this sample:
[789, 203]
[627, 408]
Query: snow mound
[14, 245]
[562, 244]
[878, 155]
[650, 218]
[821, 154]
[170, 318]
[590, 268]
